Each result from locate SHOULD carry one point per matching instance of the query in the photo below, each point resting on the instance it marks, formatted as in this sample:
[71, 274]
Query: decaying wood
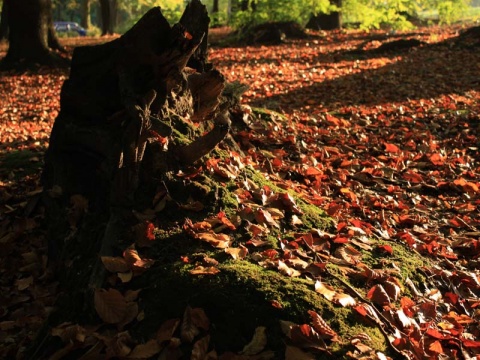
[120, 98]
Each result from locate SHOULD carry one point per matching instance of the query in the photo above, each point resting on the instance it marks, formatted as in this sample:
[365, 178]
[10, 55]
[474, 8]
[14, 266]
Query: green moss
[406, 260]
[313, 216]
[267, 114]
[239, 299]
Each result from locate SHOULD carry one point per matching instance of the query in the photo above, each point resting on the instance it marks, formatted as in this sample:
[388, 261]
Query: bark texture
[85, 7]
[121, 104]
[108, 10]
[31, 34]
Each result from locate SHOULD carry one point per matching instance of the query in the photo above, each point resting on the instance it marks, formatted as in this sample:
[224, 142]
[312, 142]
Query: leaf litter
[386, 145]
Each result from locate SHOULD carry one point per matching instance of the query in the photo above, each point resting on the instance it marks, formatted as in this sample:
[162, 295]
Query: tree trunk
[53, 41]
[215, 7]
[85, 22]
[119, 100]
[31, 27]
[4, 22]
[106, 15]
[330, 21]
[113, 15]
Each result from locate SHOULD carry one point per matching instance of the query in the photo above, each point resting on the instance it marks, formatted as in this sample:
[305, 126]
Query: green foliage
[280, 10]
[451, 10]
[368, 14]
[396, 13]
[133, 10]
[66, 10]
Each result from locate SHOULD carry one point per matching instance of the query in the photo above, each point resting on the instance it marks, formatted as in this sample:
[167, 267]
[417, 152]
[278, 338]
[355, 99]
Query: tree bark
[108, 9]
[215, 7]
[31, 34]
[106, 15]
[4, 22]
[85, 22]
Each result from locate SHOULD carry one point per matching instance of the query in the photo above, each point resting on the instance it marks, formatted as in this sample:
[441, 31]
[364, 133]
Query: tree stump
[135, 113]
[126, 119]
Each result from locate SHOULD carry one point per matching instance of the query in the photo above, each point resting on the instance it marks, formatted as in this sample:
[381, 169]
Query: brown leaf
[200, 348]
[326, 290]
[285, 270]
[304, 336]
[344, 300]
[131, 313]
[70, 332]
[219, 241]
[378, 295]
[436, 347]
[199, 318]
[264, 217]
[145, 351]
[24, 283]
[392, 289]
[134, 260]
[125, 277]
[110, 305]
[392, 148]
[115, 264]
[349, 254]
[237, 253]
[132, 295]
[258, 342]
[165, 333]
[188, 330]
[201, 270]
[321, 327]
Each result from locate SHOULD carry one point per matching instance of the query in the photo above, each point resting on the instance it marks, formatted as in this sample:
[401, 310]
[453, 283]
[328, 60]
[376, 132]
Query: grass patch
[20, 163]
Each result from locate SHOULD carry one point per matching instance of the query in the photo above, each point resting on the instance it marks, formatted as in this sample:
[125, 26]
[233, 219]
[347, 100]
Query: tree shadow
[422, 73]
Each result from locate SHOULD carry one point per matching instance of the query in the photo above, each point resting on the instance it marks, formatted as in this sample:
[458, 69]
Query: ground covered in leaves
[358, 191]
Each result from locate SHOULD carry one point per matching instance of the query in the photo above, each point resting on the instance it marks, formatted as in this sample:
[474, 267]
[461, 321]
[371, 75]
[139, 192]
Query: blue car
[68, 26]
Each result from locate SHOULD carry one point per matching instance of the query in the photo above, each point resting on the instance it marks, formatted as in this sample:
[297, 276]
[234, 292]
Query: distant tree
[4, 22]
[85, 12]
[327, 19]
[215, 7]
[109, 10]
[31, 34]
[245, 4]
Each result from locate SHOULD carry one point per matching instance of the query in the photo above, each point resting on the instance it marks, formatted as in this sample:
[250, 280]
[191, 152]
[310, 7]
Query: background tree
[106, 17]
[4, 22]
[31, 34]
[85, 21]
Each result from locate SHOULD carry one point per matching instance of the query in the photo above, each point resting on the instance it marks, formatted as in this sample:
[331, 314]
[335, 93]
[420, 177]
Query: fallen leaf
[145, 351]
[110, 305]
[258, 342]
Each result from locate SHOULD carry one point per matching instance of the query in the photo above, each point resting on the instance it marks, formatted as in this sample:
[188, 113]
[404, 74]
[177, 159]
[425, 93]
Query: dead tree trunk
[122, 104]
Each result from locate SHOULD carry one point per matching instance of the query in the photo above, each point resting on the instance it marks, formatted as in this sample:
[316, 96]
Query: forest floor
[384, 141]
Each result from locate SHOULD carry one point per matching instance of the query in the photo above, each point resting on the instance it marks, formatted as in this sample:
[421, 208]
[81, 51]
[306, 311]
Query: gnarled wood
[120, 99]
